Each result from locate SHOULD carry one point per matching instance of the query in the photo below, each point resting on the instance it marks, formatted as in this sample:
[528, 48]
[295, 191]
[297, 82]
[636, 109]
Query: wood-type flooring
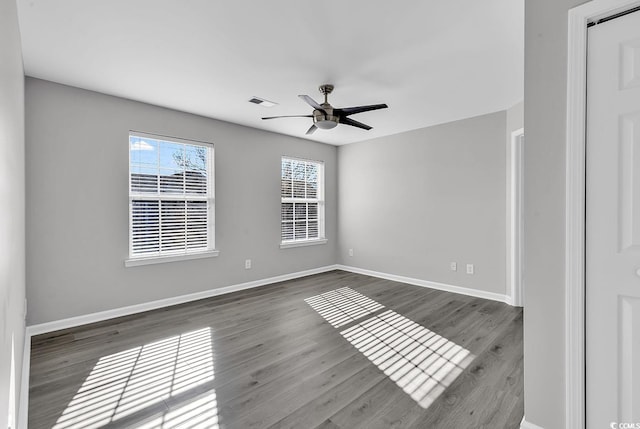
[335, 350]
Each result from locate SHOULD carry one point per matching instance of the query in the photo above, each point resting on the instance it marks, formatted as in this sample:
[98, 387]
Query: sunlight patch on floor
[422, 363]
[342, 306]
[141, 378]
[200, 413]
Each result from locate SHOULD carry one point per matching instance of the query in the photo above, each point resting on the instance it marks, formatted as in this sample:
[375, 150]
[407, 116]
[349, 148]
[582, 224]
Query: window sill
[289, 244]
[134, 262]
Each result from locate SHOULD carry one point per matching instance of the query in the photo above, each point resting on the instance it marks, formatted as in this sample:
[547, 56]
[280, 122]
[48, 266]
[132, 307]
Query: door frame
[575, 211]
[515, 216]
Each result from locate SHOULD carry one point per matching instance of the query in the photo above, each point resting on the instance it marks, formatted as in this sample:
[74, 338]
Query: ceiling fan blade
[312, 129]
[311, 102]
[346, 111]
[349, 121]
[289, 116]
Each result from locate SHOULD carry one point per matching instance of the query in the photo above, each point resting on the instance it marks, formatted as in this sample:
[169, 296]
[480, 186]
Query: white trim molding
[575, 188]
[23, 407]
[515, 218]
[426, 283]
[528, 425]
[135, 262]
[71, 322]
[161, 303]
[303, 243]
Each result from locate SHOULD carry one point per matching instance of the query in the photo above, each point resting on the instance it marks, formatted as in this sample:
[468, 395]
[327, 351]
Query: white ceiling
[430, 61]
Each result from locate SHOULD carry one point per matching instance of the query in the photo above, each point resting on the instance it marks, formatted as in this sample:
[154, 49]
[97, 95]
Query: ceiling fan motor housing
[325, 120]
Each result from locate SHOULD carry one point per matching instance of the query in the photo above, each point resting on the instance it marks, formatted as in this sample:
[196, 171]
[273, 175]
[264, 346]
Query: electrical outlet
[454, 266]
[350, 252]
[469, 268]
[247, 264]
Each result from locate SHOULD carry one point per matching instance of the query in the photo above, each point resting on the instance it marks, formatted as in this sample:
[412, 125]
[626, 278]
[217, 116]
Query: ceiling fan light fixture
[324, 118]
[325, 122]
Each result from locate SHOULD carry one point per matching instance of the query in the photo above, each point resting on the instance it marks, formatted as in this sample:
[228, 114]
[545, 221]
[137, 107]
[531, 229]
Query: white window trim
[302, 243]
[135, 262]
[285, 244]
[210, 251]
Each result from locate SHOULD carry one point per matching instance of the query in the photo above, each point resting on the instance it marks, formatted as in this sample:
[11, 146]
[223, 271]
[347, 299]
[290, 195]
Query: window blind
[302, 200]
[170, 196]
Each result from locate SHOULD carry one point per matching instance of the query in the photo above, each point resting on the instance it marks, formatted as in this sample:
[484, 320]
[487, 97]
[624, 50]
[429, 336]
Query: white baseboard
[153, 305]
[23, 407]
[161, 303]
[527, 425]
[425, 283]
[71, 322]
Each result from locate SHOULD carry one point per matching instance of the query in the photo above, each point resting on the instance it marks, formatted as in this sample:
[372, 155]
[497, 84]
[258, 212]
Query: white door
[613, 223]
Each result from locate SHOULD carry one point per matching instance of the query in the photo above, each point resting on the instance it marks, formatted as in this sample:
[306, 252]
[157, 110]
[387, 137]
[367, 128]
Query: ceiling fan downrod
[326, 89]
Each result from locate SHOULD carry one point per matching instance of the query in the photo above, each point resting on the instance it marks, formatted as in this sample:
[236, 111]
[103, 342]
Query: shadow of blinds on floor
[422, 363]
[133, 380]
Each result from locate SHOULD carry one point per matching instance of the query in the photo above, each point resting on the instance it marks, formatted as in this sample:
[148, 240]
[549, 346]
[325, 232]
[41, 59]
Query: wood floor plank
[365, 410]
[310, 410]
[475, 398]
[265, 358]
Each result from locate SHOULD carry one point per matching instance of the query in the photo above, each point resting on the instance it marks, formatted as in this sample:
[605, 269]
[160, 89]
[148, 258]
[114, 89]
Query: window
[302, 207]
[170, 198]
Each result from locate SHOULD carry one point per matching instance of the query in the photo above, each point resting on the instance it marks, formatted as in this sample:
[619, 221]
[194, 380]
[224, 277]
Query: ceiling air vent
[262, 102]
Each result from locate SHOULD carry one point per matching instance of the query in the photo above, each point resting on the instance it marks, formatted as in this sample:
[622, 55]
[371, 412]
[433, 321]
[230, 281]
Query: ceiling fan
[326, 116]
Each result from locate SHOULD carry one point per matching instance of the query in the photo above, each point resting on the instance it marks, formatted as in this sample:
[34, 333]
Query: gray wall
[411, 203]
[544, 182]
[12, 195]
[77, 203]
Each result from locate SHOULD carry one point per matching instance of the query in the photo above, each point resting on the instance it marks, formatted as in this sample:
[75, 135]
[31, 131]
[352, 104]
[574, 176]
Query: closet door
[613, 223]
